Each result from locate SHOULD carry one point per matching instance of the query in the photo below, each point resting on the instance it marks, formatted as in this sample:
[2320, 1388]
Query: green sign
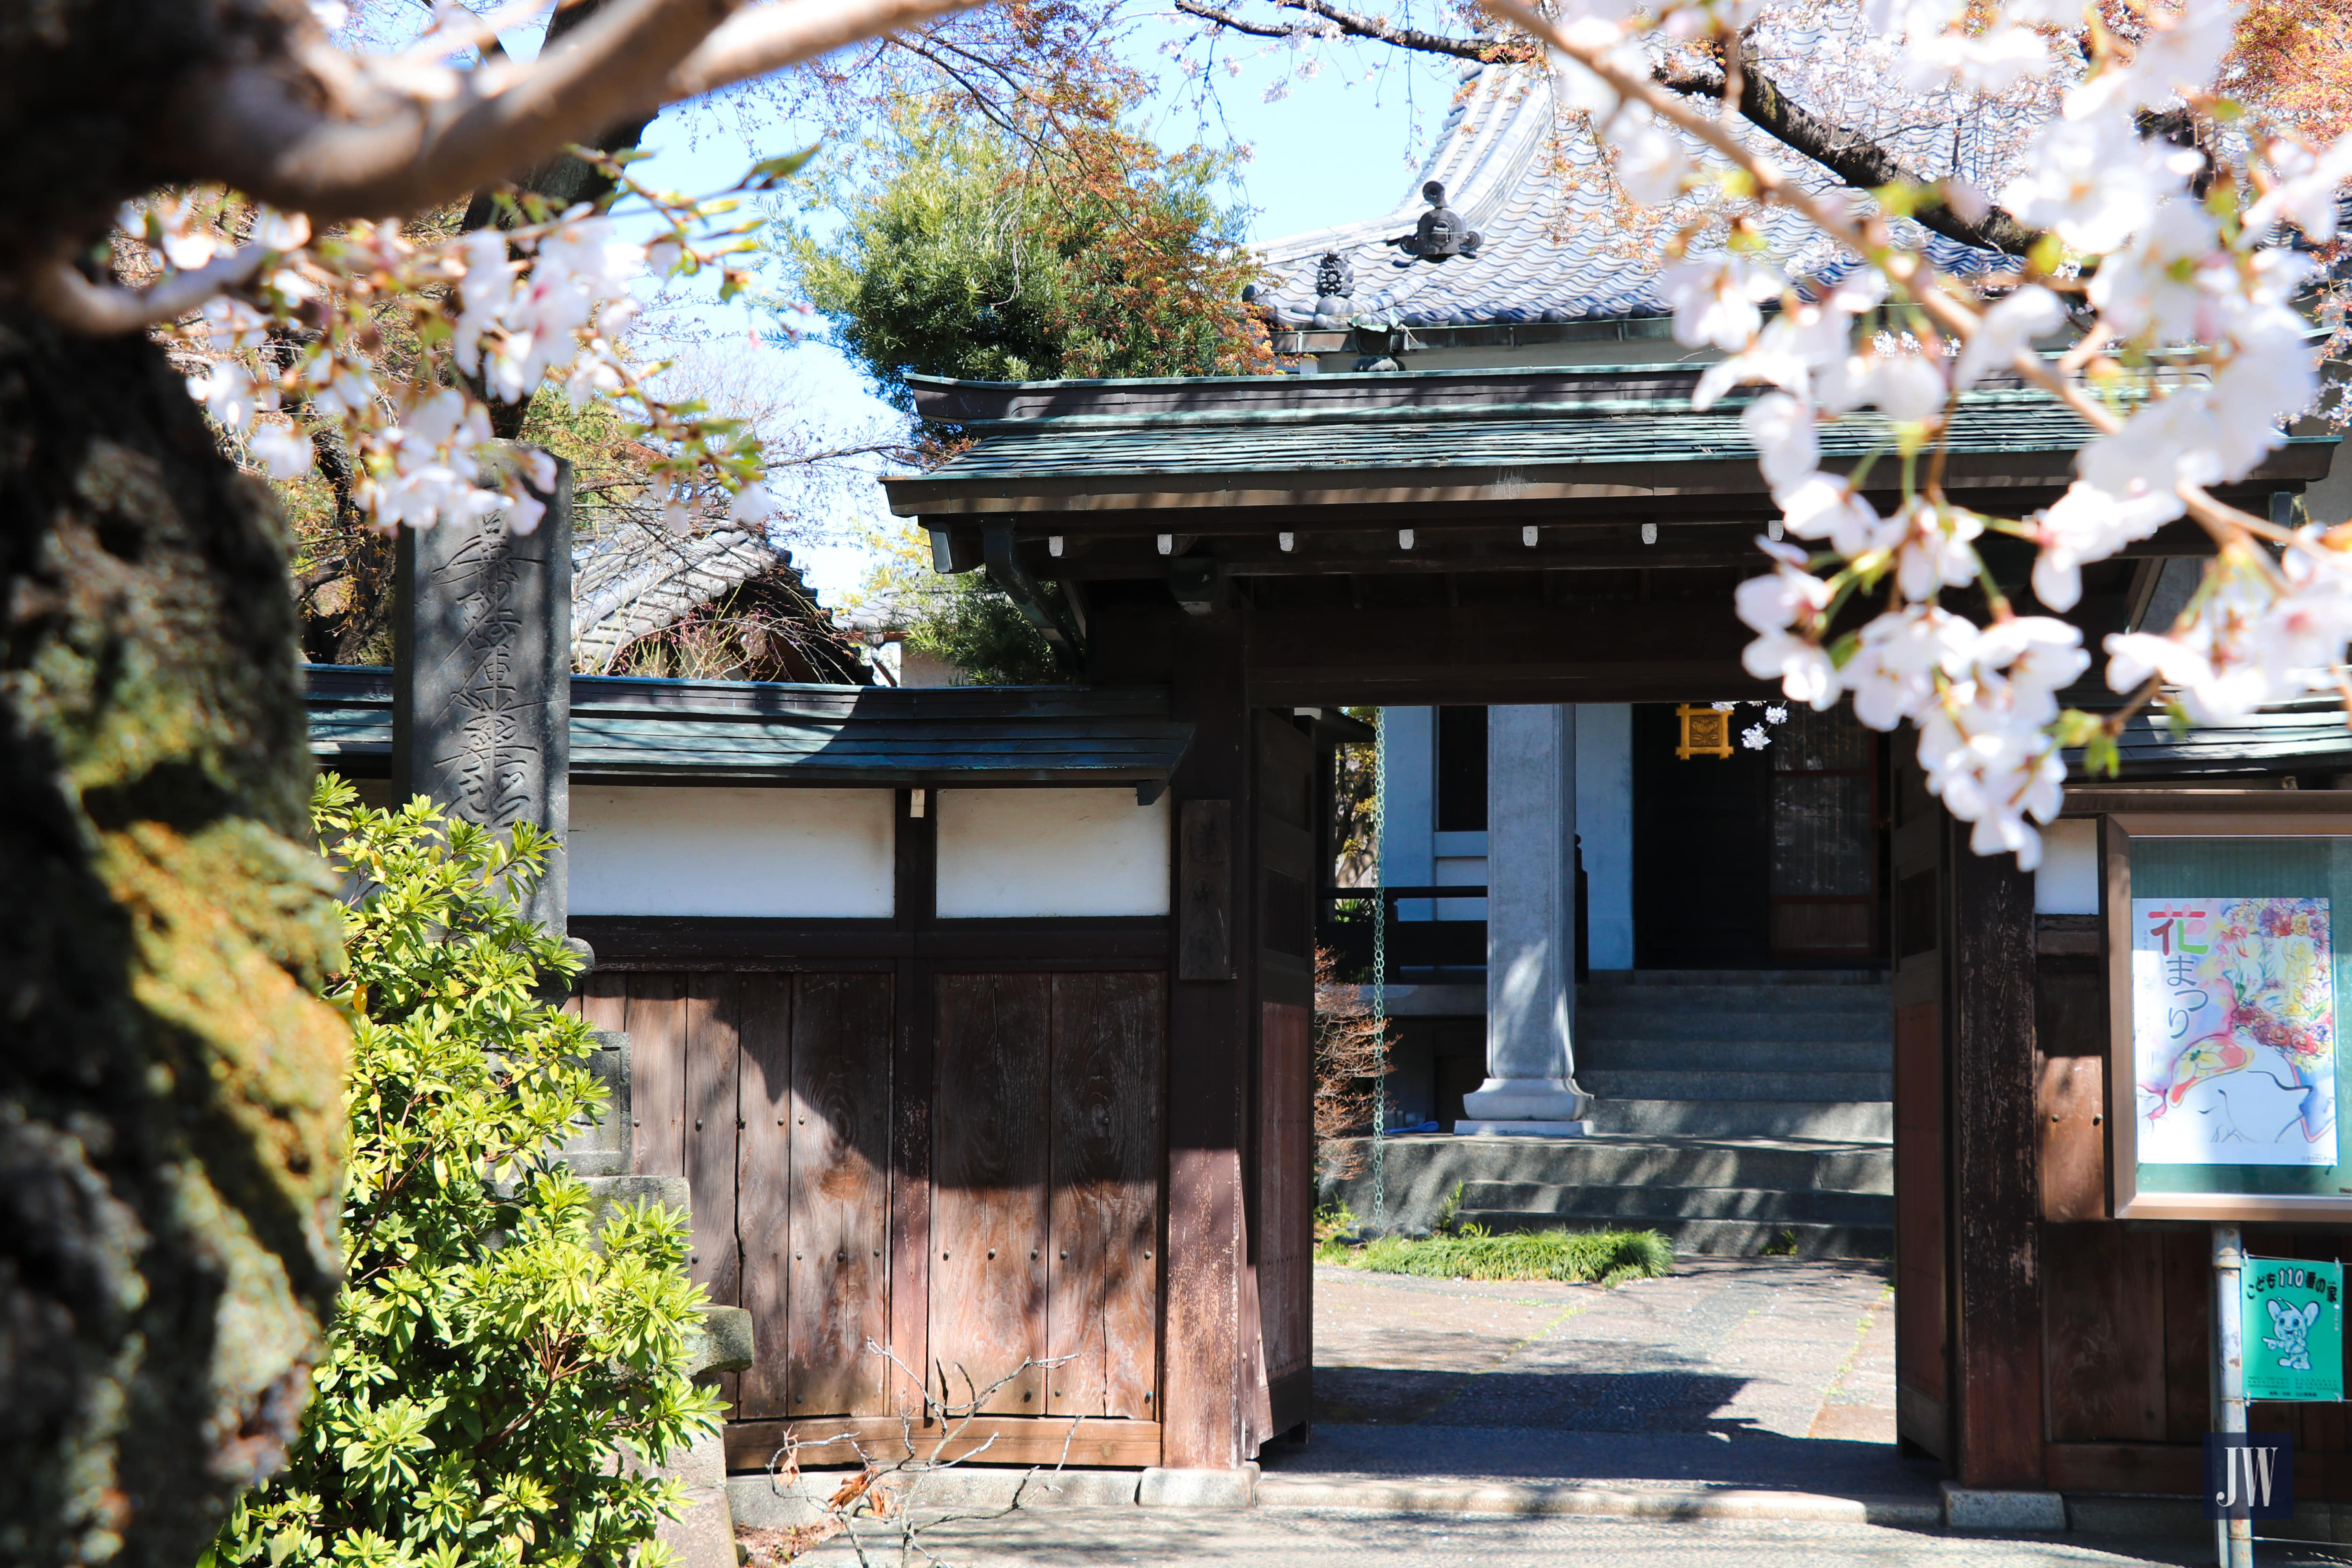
[2293, 1323]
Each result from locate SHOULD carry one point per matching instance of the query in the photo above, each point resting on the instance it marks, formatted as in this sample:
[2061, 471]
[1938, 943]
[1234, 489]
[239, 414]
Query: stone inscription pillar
[481, 709]
[1531, 1088]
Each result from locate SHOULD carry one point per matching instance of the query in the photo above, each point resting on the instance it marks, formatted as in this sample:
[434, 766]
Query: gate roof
[627, 730]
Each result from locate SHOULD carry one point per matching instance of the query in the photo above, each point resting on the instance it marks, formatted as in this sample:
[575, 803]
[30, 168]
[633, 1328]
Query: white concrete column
[1531, 1088]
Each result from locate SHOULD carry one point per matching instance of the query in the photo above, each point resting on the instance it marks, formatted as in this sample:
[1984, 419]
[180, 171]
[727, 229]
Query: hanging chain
[1380, 971]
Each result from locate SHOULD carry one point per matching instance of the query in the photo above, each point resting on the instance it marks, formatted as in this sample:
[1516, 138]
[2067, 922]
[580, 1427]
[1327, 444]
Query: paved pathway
[1287, 1538]
[1750, 1372]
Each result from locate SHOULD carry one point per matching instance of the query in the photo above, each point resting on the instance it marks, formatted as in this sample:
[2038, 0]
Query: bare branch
[754, 43]
[65, 297]
[1845, 153]
[262, 131]
[1355, 25]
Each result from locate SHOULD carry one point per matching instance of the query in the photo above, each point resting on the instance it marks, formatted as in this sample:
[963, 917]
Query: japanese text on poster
[2233, 1031]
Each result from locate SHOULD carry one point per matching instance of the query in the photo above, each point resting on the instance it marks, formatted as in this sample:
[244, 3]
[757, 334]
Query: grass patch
[1576, 1257]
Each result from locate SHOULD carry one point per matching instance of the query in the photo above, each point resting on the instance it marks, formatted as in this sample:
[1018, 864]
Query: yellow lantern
[1707, 732]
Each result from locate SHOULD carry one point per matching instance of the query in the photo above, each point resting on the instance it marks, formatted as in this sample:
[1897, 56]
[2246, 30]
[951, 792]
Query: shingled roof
[1554, 251]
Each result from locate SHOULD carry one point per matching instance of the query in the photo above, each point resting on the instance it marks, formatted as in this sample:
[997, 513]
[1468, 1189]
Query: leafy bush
[496, 1370]
[1605, 1257]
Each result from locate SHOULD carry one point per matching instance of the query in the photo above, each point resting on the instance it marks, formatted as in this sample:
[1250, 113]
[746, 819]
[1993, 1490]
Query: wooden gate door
[1045, 1203]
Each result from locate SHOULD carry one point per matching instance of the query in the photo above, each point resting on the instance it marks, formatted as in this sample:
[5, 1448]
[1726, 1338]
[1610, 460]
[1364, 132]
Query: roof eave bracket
[1043, 610]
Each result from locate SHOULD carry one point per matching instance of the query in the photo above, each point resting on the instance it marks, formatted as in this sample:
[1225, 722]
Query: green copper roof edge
[1438, 413]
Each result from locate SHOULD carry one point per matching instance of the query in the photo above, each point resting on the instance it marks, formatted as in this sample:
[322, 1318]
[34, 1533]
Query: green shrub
[1605, 1257]
[494, 1371]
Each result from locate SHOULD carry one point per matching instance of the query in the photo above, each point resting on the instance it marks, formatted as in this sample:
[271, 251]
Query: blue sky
[1341, 145]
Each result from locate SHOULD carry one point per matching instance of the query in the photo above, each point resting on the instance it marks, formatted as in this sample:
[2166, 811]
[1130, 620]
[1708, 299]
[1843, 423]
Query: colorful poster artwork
[2233, 1031]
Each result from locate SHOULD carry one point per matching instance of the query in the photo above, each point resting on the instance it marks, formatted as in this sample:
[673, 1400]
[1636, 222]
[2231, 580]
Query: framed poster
[2225, 977]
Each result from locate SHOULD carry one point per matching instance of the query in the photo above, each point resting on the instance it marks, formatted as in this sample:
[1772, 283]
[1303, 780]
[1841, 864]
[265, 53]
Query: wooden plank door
[989, 1165]
[1109, 1042]
[812, 1202]
[838, 1297]
[763, 1189]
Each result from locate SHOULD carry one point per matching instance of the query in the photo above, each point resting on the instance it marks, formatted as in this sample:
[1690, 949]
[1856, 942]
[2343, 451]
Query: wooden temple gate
[988, 1143]
[969, 1198]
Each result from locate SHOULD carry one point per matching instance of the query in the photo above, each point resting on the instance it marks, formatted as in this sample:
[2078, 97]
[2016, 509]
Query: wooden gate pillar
[1212, 1022]
[1995, 1190]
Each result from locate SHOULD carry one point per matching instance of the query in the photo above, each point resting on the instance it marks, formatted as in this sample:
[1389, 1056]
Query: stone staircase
[1734, 1111]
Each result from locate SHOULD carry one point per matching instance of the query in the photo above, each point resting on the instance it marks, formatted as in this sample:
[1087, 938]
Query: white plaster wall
[1015, 853]
[1604, 820]
[2067, 882]
[782, 853]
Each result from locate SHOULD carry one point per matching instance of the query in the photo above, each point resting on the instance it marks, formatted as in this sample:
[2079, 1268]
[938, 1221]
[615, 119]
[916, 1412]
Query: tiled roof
[1506, 161]
[631, 729]
[632, 581]
[2306, 734]
[1501, 435]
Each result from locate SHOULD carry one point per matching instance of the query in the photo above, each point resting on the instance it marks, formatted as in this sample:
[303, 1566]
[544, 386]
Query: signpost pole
[2234, 1537]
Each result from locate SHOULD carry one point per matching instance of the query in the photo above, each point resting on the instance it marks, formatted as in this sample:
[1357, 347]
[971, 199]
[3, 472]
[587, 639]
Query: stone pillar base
[1526, 1108]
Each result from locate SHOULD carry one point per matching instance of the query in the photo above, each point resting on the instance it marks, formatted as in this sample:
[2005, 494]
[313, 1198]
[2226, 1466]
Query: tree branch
[103, 310]
[1355, 25]
[260, 126]
[1848, 154]
[754, 43]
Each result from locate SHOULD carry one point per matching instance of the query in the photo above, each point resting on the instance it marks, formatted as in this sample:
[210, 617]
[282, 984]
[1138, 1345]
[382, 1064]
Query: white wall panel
[2067, 882]
[1027, 853]
[782, 853]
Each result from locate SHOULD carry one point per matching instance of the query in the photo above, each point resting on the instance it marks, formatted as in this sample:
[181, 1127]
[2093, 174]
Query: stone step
[1872, 1122]
[1738, 1056]
[1738, 1237]
[1699, 1165]
[1735, 1084]
[1737, 1002]
[1422, 1170]
[1643, 1205]
[1634, 979]
[1695, 1023]
[1602, 1161]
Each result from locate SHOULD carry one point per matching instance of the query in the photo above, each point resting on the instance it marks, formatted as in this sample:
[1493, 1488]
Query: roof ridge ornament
[1441, 234]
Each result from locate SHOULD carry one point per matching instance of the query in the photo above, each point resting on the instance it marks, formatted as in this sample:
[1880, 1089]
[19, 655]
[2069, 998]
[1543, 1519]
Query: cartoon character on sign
[2290, 1337]
[2245, 984]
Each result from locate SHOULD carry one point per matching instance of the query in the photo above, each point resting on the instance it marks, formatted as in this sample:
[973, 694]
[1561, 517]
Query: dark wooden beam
[1210, 1027]
[1525, 653]
[1996, 1322]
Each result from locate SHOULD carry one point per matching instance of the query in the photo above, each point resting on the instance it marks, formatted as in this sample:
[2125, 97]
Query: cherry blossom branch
[1846, 153]
[103, 310]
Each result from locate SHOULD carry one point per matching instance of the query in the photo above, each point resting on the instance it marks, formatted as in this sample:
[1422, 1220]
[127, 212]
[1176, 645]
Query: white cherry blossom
[1715, 300]
[1783, 596]
[1783, 430]
[1823, 506]
[2009, 326]
[284, 452]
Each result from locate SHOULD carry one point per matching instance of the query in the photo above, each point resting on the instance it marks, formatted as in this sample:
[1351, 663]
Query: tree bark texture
[171, 1085]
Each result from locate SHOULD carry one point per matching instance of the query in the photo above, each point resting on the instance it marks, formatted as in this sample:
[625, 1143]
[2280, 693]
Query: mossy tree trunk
[171, 1120]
